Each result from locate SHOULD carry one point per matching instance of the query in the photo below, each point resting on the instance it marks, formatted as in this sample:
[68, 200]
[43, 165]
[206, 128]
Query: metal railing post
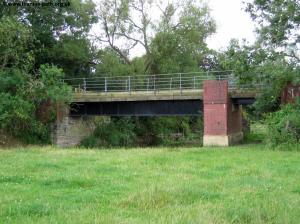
[154, 84]
[105, 84]
[129, 84]
[84, 85]
[194, 82]
[171, 83]
[148, 82]
[180, 84]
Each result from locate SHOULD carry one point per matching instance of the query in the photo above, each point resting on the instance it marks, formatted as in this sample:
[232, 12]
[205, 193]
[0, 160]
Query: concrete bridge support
[222, 119]
[69, 131]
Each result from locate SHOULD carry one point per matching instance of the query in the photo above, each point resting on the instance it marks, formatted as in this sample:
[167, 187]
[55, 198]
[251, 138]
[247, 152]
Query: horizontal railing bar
[154, 75]
[159, 83]
[162, 79]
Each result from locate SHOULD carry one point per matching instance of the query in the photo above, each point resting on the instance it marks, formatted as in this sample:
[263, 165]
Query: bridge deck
[90, 96]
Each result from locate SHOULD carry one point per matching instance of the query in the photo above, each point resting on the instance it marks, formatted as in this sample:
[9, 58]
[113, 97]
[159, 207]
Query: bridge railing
[153, 83]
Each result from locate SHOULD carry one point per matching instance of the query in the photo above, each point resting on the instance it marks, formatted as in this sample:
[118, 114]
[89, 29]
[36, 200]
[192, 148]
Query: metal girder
[243, 101]
[138, 108]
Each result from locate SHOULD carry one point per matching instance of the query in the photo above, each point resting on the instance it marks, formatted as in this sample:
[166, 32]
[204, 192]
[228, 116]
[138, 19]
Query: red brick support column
[290, 93]
[222, 119]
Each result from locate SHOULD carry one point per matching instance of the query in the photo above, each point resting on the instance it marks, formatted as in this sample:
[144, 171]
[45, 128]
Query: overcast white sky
[232, 22]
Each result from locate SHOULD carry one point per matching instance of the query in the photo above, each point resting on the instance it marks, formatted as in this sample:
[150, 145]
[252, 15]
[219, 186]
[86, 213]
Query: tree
[253, 65]
[15, 43]
[180, 46]
[58, 32]
[245, 60]
[131, 22]
[111, 64]
[125, 23]
[77, 56]
[22, 88]
[278, 25]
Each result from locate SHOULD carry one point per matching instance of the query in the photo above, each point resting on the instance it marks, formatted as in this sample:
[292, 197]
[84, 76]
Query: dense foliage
[278, 25]
[284, 128]
[25, 90]
[59, 34]
[151, 131]
[28, 105]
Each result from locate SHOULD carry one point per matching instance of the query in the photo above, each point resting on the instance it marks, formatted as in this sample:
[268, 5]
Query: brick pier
[222, 118]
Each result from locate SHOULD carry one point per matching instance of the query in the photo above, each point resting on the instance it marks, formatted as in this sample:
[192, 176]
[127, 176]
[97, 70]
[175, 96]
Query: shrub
[117, 132]
[284, 128]
[90, 142]
[147, 131]
[275, 76]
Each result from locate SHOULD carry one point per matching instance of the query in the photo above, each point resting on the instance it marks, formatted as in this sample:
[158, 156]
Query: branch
[106, 29]
[136, 8]
[111, 43]
[132, 46]
[130, 38]
[98, 38]
[293, 55]
[133, 23]
[121, 54]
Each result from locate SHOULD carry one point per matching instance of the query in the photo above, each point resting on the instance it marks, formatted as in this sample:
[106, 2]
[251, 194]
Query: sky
[232, 22]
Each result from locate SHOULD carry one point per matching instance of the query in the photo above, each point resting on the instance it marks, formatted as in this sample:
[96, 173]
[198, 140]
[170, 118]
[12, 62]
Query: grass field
[245, 184]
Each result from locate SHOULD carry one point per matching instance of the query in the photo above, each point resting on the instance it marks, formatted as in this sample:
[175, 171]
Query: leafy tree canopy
[58, 33]
[278, 25]
[174, 42]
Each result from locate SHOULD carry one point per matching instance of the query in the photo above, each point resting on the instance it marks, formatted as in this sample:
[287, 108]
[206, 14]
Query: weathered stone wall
[69, 131]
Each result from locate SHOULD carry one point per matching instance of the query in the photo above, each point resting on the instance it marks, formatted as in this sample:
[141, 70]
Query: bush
[21, 98]
[274, 76]
[90, 142]
[146, 131]
[284, 128]
[117, 132]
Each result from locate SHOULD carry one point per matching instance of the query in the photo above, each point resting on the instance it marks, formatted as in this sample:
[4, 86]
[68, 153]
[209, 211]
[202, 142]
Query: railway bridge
[217, 96]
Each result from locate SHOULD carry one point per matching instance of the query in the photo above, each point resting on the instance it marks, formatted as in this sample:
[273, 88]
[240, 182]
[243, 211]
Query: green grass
[244, 184]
